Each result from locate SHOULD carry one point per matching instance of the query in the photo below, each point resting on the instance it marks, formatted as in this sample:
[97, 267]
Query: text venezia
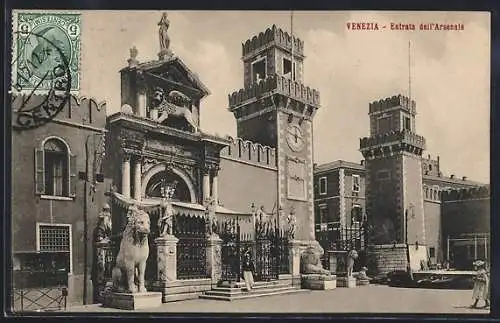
[402, 26]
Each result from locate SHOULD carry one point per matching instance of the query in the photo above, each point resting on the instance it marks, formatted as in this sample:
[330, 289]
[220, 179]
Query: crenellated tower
[274, 108]
[393, 154]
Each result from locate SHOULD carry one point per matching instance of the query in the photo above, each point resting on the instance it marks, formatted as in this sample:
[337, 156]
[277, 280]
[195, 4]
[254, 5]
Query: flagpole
[293, 45]
[409, 73]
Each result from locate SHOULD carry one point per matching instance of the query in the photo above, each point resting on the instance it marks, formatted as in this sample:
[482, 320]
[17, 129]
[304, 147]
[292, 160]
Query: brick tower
[394, 195]
[276, 109]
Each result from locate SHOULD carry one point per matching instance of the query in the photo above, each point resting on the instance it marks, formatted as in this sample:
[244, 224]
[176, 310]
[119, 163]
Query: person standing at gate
[248, 270]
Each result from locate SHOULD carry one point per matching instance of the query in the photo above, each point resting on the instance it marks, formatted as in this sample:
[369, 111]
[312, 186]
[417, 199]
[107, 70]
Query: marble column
[206, 185]
[141, 105]
[126, 176]
[137, 179]
[215, 189]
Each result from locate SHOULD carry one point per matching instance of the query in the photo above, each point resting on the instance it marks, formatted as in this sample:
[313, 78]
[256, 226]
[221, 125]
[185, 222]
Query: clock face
[295, 138]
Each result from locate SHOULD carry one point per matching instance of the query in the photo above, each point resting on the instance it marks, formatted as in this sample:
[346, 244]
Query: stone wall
[386, 258]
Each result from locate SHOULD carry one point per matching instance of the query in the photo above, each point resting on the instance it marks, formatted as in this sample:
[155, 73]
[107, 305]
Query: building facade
[466, 225]
[339, 198]
[394, 172]
[56, 167]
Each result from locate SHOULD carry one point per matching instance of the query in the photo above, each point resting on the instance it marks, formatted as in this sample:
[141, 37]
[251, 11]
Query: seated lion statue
[133, 253]
[310, 261]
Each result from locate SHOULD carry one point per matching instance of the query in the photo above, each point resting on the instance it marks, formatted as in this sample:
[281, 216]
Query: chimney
[464, 178]
[362, 162]
[315, 165]
[452, 176]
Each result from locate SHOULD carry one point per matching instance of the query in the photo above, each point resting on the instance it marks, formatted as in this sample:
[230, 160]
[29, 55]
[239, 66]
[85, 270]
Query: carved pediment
[176, 72]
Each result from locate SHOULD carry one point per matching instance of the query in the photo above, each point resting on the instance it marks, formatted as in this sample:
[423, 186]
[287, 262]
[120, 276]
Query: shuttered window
[55, 170]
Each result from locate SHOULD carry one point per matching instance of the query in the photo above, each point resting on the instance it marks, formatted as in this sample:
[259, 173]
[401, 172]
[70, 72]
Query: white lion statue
[133, 253]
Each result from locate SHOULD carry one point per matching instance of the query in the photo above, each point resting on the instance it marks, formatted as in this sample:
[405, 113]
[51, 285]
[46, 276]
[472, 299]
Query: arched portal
[151, 183]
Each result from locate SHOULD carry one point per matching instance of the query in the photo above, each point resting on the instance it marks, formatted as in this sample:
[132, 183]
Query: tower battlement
[278, 84]
[250, 152]
[272, 36]
[472, 193]
[391, 102]
[392, 137]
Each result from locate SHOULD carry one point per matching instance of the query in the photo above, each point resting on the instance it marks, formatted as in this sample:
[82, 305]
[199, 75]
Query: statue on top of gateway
[164, 24]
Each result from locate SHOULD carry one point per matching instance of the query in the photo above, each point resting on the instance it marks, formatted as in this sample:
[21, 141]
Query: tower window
[407, 123]
[287, 68]
[322, 186]
[356, 213]
[384, 124]
[323, 213]
[355, 183]
[259, 70]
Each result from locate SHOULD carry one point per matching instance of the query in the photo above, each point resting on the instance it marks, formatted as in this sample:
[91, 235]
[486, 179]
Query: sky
[450, 72]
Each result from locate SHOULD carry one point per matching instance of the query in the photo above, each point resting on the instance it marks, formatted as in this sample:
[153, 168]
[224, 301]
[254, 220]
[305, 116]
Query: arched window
[181, 192]
[55, 168]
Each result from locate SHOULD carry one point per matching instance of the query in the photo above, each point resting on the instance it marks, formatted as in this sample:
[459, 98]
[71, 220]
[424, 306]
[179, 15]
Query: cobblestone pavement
[365, 299]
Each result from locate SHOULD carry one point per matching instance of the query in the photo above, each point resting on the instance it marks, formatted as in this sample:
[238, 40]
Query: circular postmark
[46, 65]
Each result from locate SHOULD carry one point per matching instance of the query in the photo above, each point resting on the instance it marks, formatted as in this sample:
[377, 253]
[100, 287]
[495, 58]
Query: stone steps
[260, 289]
[181, 297]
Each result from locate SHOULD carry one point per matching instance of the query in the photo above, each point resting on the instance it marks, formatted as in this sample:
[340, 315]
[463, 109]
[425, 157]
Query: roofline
[141, 66]
[338, 164]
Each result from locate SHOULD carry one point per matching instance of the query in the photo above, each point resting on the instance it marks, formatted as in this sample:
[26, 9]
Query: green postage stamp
[46, 51]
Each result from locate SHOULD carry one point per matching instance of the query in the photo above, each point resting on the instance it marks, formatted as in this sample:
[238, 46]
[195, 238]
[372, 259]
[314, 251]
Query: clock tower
[276, 109]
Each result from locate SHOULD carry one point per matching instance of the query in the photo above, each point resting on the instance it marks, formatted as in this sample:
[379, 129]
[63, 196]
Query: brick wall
[386, 258]
[28, 208]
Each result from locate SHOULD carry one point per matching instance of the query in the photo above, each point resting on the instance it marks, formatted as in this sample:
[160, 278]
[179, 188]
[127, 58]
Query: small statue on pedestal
[166, 217]
[102, 232]
[164, 38]
[210, 211]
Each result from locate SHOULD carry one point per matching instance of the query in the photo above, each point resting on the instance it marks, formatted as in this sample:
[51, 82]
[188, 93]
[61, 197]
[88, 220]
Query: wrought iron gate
[191, 247]
[266, 245]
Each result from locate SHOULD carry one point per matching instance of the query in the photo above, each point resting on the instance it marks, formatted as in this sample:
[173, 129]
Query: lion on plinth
[310, 261]
[133, 253]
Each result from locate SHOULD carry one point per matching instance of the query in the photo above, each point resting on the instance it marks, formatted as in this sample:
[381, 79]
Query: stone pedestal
[294, 261]
[349, 282]
[102, 269]
[319, 282]
[332, 261]
[166, 258]
[214, 260]
[132, 301]
[362, 282]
